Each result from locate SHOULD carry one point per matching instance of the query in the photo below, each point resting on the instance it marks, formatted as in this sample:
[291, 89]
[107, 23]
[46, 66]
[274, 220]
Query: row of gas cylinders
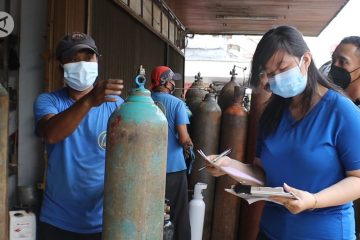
[136, 157]
[215, 126]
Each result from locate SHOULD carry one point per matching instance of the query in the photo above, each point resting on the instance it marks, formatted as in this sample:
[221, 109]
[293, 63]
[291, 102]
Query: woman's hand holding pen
[304, 201]
[224, 161]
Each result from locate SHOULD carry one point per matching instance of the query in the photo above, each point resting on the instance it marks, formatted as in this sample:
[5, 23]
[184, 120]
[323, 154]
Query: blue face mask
[80, 75]
[289, 83]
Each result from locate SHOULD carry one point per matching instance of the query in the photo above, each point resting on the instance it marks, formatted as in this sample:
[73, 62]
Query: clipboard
[254, 194]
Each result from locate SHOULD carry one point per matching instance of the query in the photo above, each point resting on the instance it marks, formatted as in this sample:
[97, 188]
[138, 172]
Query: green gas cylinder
[135, 170]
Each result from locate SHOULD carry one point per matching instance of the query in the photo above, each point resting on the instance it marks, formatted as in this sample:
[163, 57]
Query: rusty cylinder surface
[206, 132]
[227, 94]
[250, 214]
[195, 94]
[233, 135]
[4, 126]
[135, 170]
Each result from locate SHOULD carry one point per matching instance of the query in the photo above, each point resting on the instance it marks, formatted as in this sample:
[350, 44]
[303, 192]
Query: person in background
[71, 121]
[345, 68]
[307, 143]
[163, 85]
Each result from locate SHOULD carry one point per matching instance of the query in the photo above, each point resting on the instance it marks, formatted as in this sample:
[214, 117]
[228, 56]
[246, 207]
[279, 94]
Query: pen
[215, 159]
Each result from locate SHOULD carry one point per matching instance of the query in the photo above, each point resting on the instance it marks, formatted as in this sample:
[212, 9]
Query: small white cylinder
[197, 212]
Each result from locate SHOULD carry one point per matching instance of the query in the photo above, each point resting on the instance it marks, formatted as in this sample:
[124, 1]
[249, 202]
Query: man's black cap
[70, 44]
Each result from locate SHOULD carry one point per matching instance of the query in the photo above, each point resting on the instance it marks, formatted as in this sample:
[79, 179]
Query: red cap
[162, 74]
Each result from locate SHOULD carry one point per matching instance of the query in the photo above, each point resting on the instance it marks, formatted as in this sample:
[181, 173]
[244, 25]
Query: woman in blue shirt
[308, 141]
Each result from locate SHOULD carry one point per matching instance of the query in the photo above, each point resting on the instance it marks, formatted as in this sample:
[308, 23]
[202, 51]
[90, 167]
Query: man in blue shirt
[73, 122]
[163, 85]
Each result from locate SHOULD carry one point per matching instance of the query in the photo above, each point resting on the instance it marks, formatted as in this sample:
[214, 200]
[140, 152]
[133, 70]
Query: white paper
[233, 172]
[239, 174]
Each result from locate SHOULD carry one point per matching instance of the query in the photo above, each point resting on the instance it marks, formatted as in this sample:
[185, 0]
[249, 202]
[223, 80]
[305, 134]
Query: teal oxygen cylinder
[135, 168]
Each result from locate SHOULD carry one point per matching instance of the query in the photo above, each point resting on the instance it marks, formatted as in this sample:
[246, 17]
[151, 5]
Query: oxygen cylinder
[233, 135]
[188, 111]
[190, 115]
[227, 92]
[205, 136]
[197, 212]
[195, 94]
[247, 99]
[250, 214]
[4, 135]
[135, 170]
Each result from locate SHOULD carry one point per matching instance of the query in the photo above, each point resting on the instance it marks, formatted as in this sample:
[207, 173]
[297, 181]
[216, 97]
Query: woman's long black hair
[284, 39]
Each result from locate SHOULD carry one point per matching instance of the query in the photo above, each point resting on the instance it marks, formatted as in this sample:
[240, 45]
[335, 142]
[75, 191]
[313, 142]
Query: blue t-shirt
[175, 112]
[73, 197]
[312, 155]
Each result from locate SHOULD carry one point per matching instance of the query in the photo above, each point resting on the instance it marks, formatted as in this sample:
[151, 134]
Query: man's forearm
[63, 124]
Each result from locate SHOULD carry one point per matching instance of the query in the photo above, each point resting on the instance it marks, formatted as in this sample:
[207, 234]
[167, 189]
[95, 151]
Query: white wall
[215, 56]
[31, 84]
[215, 70]
[345, 24]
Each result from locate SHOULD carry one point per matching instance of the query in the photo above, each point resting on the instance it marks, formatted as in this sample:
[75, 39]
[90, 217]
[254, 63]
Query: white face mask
[80, 75]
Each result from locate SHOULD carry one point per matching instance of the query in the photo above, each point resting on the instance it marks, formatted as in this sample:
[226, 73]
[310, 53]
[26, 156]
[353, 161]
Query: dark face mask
[341, 77]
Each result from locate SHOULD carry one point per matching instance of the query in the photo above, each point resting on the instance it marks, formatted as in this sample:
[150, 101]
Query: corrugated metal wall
[63, 17]
[125, 44]
[177, 64]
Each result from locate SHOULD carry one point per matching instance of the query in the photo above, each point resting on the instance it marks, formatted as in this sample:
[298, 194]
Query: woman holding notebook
[308, 142]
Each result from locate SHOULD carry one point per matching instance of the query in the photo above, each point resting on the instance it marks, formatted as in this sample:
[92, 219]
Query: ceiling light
[246, 18]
